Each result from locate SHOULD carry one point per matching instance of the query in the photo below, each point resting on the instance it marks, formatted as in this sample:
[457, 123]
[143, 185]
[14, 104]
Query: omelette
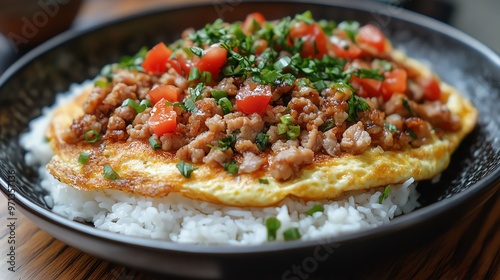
[248, 113]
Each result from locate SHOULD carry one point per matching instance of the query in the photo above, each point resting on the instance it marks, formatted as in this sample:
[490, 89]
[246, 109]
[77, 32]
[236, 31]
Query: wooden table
[469, 250]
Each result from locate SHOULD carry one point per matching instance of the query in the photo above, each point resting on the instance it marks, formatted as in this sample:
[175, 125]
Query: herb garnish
[408, 107]
[356, 104]
[83, 158]
[262, 141]
[272, 225]
[231, 167]
[314, 209]
[291, 234]
[185, 168]
[384, 194]
[109, 173]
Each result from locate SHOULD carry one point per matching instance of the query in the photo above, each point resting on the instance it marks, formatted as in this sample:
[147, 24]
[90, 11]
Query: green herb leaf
[197, 51]
[411, 133]
[227, 142]
[185, 168]
[205, 77]
[92, 136]
[406, 104]
[272, 225]
[83, 158]
[282, 63]
[134, 62]
[305, 17]
[326, 126]
[291, 234]
[109, 173]
[231, 167]
[314, 209]
[356, 104]
[384, 194]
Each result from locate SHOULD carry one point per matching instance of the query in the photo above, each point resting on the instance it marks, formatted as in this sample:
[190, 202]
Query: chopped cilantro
[262, 141]
[231, 167]
[411, 133]
[197, 51]
[185, 168]
[326, 126]
[350, 28]
[356, 104]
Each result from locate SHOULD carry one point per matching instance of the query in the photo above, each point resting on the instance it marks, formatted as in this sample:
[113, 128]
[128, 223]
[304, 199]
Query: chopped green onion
[153, 141]
[185, 168]
[291, 234]
[226, 105]
[286, 119]
[314, 209]
[264, 181]
[194, 74]
[282, 63]
[109, 173]
[231, 167]
[146, 104]
[293, 132]
[262, 141]
[177, 104]
[205, 77]
[282, 128]
[272, 225]
[218, 94]
[92, 136]
[83, 158]
[384, 195]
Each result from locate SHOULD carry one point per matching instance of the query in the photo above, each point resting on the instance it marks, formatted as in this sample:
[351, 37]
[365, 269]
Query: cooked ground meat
[267, 108]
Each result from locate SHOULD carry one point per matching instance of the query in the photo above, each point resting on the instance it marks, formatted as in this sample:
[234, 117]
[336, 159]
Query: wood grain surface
[470, 250]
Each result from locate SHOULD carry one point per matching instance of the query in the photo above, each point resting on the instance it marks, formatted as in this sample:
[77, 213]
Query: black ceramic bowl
[472, 178]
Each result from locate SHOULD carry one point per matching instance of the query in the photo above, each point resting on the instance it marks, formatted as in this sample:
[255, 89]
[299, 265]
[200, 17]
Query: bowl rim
[415, 218]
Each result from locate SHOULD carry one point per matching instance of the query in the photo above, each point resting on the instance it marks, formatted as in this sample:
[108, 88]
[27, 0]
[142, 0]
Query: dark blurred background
[27, 23]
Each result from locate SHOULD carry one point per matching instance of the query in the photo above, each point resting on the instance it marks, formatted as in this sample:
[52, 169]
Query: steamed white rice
[179, 219]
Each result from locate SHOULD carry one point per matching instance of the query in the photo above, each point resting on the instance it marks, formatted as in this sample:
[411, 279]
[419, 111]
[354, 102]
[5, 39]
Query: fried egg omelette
[259, 111]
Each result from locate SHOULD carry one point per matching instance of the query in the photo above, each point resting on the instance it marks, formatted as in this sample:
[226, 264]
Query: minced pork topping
[267, 95]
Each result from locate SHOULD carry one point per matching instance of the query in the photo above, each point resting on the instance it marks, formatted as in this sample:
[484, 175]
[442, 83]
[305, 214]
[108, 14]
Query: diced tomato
[431, 88]
[163, 118]
[156, 59]
[248, 26]
[366, 87]
[214, 58]
[168, 92]
[253, 98]
[260, 46]
[315, 41]
[395, 81]
[370, 37]
[344, 48]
